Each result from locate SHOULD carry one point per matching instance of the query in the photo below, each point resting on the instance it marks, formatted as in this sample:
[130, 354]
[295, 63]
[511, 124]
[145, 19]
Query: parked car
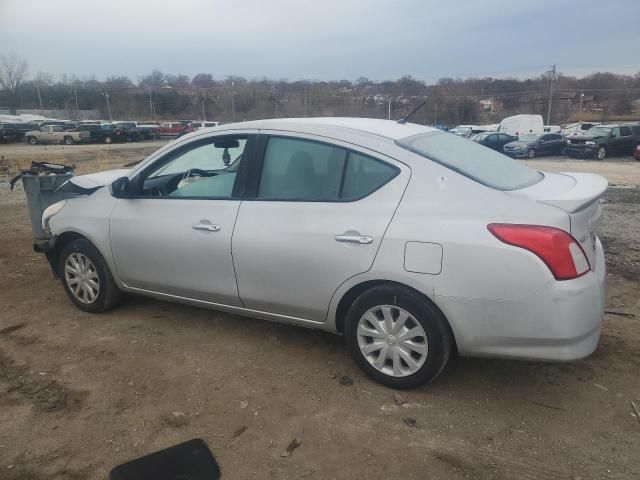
[170, 129]
[104, 133]
[148, 130]
[195, 126]
[15, 132]
[128, 130]
[331, 227]
[55, 134]
[495, 141]
[519, 125]
[603, 140]
[531, 146]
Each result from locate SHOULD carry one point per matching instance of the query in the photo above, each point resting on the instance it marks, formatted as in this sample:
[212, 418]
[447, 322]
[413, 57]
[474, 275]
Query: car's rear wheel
[32, 140]
[531, 153]
[108, 140]
[601, 153]
[397, 337]
[68, 141]
[87, 278]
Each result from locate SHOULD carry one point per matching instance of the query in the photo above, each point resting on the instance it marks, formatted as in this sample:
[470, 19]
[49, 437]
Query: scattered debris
[635, 409]
[295, 443]
[620, 314]
[399, 399]
[12, 328]
[600, 386]
[409, 421]
[244, 404]
[546, 405]
[176, 419]
[239, 431]
[346, 380]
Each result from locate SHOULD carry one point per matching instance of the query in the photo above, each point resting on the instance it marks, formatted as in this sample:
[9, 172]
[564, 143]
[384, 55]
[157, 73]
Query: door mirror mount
[121, 188]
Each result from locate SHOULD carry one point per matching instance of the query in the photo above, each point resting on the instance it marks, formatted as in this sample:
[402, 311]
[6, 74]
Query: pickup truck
[55, 134]
[14, 132]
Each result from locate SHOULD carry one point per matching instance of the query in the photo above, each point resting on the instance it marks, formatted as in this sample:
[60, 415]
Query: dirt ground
[81, 393]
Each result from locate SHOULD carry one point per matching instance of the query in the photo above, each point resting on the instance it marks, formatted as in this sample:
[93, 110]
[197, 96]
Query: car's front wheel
[601, 153]
[68, 141]
[531, 153]
[87, 278]
[397, 337]
[32, 140]
[107, 140]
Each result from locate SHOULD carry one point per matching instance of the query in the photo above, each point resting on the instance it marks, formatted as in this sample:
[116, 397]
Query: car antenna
[402, 121]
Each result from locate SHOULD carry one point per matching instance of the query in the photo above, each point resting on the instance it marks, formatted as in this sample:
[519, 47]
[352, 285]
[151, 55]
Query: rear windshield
[472, 160]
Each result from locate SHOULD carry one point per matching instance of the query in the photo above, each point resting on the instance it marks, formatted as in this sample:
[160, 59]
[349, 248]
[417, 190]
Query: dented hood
[93, 181]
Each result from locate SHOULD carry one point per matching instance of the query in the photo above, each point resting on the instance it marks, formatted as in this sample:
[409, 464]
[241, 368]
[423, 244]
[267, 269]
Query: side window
[491, 139]
[296, 169]
[503, 138]
[615, 132]
[625, 131]
[364, 175]
[205, 169]
[636, 129]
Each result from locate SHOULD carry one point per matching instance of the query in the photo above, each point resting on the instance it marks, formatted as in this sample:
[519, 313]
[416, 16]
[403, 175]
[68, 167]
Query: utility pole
[75, 94]
[233, 101]
[581, 97]
[552, 79]
[39, 97]
[389, 101]
[204, 115]
[151, 106]
[106, 95]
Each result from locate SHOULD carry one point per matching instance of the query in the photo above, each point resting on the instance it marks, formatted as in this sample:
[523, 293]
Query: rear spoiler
[588, 189]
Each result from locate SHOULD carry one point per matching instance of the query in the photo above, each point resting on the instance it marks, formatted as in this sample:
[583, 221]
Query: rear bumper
[560, 322]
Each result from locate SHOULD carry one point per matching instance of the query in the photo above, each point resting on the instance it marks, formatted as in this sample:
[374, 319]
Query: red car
[170, 129]
[637, 152]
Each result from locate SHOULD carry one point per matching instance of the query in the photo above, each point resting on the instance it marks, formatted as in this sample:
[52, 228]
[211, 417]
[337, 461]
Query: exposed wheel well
[348, 298]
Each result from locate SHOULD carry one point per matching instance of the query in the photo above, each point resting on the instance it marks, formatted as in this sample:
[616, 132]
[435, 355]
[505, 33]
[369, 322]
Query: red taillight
[556, 248]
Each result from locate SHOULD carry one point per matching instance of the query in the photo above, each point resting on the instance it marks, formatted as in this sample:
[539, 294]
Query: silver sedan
[410, 241]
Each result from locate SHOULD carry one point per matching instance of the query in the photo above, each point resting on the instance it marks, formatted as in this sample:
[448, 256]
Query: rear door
[320, 212]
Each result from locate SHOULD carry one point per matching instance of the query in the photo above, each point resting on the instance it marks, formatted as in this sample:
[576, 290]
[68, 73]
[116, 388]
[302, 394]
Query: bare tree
[13, 70]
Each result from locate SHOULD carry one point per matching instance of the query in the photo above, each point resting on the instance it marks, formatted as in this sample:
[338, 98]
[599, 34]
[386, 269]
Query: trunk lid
[579, 195]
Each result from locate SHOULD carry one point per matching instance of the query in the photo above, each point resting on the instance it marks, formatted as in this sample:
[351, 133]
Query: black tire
[601, 153]
[68, 141]
[438, 334]
[108, 139]
[32, 140]
[109, 295]
[531, 153]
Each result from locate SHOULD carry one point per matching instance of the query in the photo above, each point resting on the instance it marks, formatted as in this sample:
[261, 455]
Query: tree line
[449, 101]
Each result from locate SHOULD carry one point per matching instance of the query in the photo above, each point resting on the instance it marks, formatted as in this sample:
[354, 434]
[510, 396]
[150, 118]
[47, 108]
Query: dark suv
[603, 140]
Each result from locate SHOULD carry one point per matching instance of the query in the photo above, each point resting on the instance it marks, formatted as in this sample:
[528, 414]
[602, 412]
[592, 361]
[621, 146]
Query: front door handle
[206, 227]
[354, 238]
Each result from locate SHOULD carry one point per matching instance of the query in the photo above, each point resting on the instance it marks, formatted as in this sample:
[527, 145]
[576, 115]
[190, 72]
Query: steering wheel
[172, 184]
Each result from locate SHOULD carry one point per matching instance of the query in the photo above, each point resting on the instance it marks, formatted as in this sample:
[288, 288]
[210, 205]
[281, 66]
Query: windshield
[529, 138]
[472, 160]
[599, 131]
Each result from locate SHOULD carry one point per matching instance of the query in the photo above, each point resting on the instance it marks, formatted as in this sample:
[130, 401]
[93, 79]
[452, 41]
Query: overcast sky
[322, 39]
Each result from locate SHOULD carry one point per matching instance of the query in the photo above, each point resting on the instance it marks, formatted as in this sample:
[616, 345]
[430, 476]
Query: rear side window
[295, 169]
[472, 160]
[301, 170]
[625, 131]
[636, 129]
[364, 175]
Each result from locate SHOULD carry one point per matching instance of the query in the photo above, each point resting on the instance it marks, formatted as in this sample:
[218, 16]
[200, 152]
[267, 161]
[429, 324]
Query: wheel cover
[82, 278]
[601, 153]
[392, 340]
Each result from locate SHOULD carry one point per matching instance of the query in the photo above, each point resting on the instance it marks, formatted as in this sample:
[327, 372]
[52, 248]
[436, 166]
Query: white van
[520, 125]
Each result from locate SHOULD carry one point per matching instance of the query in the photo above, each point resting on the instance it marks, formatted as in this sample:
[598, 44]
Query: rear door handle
[354, 238]
[206, 227]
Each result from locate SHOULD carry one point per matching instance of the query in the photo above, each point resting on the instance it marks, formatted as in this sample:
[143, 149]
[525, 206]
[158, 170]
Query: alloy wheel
[392, 340]
[81, 277]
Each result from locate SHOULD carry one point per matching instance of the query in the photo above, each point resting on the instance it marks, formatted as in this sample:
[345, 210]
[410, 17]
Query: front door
[319, 217]
[174, 236]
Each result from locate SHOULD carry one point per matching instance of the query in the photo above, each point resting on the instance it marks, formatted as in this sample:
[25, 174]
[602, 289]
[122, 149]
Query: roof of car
[383, 128]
